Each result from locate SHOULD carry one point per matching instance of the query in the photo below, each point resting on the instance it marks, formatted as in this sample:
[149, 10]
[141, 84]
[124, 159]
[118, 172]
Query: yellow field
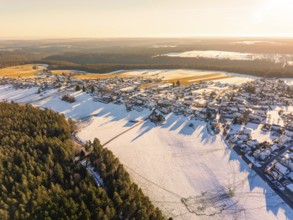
[196, 79]
[101, 76]
[21, 71]
[60, 72]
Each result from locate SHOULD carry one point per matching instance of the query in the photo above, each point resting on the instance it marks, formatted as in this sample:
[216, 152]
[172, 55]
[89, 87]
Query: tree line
[128, 199]
[39, 178]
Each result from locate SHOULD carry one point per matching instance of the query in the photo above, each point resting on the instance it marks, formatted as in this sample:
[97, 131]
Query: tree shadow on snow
[145, 128]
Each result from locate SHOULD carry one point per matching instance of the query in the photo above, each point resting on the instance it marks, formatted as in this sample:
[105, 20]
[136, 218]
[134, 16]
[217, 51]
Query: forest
[39, 178]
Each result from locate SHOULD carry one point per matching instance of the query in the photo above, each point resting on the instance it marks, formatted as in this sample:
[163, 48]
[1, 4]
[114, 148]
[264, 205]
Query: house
[252, 143]
[288, 133]
[276, 127]
[275, 147]
[281, 168]
[243, 137]
[254, 118]
[165, 110]
[233, 139]
[283, 140]
[264, 154]
[290, 127]
[150, 104]
[157, 116]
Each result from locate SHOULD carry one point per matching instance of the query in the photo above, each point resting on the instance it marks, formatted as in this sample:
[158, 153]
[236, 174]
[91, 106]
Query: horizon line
[147, 37]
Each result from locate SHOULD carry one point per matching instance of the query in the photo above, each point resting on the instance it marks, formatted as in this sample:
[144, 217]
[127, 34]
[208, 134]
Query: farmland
[28, 70]
[60, 72]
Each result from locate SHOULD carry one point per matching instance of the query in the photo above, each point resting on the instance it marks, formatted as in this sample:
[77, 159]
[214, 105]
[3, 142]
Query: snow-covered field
[289, 81]
[252, 42]
[190, 174]
[185, 171]
[235, 80]
[170, 74]
[162, 46]
[214, 54]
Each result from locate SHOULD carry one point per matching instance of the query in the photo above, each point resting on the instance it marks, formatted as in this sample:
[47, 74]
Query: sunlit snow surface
[213, 54]
[185, 171]
[252, 42]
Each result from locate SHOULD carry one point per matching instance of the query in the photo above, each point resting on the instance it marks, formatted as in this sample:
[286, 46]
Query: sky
[145, 18]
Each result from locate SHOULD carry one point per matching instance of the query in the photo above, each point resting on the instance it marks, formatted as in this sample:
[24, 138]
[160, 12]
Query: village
[255, 118]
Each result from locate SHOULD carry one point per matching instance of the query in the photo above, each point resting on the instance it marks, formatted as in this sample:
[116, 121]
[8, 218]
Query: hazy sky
[145, 18]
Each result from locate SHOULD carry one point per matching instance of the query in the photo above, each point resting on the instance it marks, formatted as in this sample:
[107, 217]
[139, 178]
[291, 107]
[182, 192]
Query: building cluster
[44, 81]
[274, 155]
[137, 93]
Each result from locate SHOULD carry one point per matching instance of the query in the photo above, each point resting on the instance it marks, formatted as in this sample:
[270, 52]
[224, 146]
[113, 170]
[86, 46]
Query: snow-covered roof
[281, 168]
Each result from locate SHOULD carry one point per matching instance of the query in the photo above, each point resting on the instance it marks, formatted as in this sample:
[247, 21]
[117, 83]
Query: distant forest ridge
[254, 68]
[104, 56]
[246, 68]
